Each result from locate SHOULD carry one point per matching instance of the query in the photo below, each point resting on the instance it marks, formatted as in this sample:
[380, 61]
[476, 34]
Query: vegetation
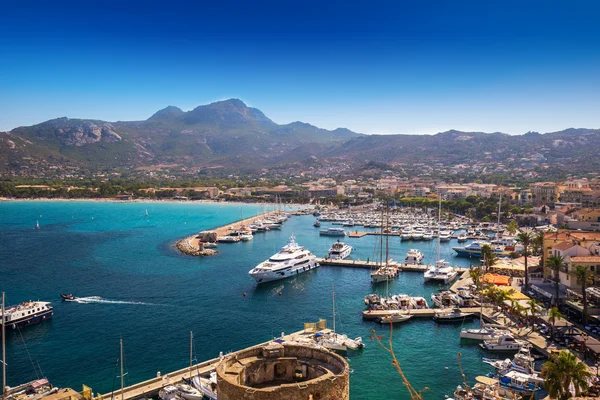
[555, 263]
[585, 277]
[554, 315]
[563, 371]
[525, 238]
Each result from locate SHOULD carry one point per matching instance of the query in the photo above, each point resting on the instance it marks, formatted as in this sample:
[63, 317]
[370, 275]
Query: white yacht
[474, 249]
[428, 235]
[462, 237]
[445, 236]
[339, 251]
[208, 386]
[332, 232]
[417, 234]
[293, 259]
[482, 333]
[413, 257]
[406, 233]
[441, 271]
[503, 343]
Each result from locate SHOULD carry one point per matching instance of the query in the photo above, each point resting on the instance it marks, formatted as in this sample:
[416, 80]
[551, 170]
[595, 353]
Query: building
[576, 249]
[545, 193]
[283, 371]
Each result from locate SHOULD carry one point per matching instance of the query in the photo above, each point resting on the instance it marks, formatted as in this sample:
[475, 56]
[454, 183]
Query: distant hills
[231, 136]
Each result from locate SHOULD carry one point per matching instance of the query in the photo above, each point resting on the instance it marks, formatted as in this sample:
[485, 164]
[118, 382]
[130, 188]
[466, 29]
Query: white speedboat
[428, 235]
[208, 386]
[474, 249]
[462, 237]
[168, 392]
[337, 342]
[292, 260]
[441, 271]
[483, 333]
[456, 315]
[445, 236]
[406, 234]
[413, 257]
[394, 318]
[332, 232]
[504, 342]
[339, 251]
[188, 392]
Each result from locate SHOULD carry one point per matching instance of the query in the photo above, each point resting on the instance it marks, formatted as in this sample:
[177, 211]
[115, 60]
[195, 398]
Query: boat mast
[191, 350]
[3, 349]
[333, 301]
[439, 229]
[122, 377]
[387, 251]
[498, 225]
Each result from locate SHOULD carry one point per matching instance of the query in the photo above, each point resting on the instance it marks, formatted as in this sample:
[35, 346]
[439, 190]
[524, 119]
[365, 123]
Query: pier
[374, 265]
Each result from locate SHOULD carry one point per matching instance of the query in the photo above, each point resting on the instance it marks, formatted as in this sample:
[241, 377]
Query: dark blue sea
[143, 291]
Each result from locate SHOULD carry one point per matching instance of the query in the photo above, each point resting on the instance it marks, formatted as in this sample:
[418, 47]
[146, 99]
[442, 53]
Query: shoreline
[142, 201]
[190, 245]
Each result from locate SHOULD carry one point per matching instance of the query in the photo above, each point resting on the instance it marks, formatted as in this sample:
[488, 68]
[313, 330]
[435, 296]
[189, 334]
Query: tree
[554, 263]
[554, 315]
[533, 306]
[489, 257]
[512, 227]
[525, 238]
[563, 371]
[476, 275]
[584, 277]
[538, 242]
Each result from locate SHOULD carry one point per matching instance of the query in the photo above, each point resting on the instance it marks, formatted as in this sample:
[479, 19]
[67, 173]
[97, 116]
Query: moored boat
[339, 251]
[453, 316]
[27, 313]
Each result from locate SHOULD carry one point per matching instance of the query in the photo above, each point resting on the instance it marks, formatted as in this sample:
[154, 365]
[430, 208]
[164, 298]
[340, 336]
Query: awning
[496, 279]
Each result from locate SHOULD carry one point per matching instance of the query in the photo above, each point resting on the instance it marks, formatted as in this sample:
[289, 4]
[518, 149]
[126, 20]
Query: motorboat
[68, 297]
[394, 318]
[337, 342]
[406, 234]
[442, 271]
[445, 236]
[317, 224]
[444, 299]
[519, 382]
[228, 239]
[291, 260]
[428, 235]
[168, 392]
[462, 237]
[483, 333]
[504, 342]
[208, 386]
[413, 257]
[332, 232]
[522, 362]
[456, 315]
[474, 249]
[339, 251]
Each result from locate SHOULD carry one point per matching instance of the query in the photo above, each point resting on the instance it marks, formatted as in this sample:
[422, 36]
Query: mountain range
[233, 137]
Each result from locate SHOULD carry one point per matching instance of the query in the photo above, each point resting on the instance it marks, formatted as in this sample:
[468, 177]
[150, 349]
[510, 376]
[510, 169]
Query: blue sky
[374, 67]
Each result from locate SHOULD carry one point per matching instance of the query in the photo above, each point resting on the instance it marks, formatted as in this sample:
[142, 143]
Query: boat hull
[30, 319]
[270, 276]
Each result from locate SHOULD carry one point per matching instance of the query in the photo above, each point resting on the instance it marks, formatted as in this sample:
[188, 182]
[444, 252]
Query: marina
[120, 244]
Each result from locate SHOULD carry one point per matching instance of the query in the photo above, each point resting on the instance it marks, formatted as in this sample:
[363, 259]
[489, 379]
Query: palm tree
[476, 274]
[584, 277]
[563, 371]
[489, 256]
[525, 238]
[538, 242]
[533, 305]
[553, 316]
[554, 263]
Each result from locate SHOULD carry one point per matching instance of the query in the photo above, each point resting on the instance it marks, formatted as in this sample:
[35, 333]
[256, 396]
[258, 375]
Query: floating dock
[421, 313]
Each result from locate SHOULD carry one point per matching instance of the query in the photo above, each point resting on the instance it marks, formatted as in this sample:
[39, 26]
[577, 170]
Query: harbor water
[134, 285]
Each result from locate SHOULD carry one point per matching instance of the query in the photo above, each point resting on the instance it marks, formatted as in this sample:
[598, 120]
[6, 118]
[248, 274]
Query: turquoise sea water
[151, 296]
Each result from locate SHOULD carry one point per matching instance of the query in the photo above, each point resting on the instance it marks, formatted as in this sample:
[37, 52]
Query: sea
[137, 287]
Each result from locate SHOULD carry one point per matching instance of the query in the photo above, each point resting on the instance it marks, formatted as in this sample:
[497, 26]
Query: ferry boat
[339, 251]
[474, 249]
[332, 232]
[413, 257]
[441, 271]
[292, 260]
[27, 313]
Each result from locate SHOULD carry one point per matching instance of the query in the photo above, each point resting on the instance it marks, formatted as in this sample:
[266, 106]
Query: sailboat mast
[3, 349]
[498, 225]
[439, 229]
[333, 301]
[387, 250]
[191, 350]
[122, 377]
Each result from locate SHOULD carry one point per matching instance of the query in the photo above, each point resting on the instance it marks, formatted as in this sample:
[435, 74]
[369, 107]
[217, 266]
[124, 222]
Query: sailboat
[336, 341]
[37, 225]
[146, 212]
[385, 272]
[442, 270]
[28, 391]
[182, 391]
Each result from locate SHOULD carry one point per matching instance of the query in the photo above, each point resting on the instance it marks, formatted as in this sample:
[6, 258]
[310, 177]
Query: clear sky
[397, 66]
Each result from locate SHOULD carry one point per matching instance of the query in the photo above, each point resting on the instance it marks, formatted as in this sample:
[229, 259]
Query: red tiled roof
[585, 259]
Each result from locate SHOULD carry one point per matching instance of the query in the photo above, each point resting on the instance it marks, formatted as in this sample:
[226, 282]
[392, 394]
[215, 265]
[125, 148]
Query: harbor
[208, 296]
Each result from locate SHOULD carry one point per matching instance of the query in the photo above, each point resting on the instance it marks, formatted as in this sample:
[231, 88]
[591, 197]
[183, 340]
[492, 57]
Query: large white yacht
[413, 257]
[293, 259]
[339, 251]
[441, 271]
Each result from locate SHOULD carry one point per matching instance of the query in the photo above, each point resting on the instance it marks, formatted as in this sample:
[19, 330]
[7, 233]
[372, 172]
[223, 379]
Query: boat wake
[98, 299]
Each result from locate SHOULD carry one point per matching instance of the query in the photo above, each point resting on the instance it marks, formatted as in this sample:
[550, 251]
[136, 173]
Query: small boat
[332, 232]
[462, 237]
[453, 316]
[37, 225]
[503, 343]
[394, 318]
[146, 212]
[339, 251]
[519, 382]
[68, 297]
[208, 386]
[188, 392]
[317, 224]
[483, 333]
